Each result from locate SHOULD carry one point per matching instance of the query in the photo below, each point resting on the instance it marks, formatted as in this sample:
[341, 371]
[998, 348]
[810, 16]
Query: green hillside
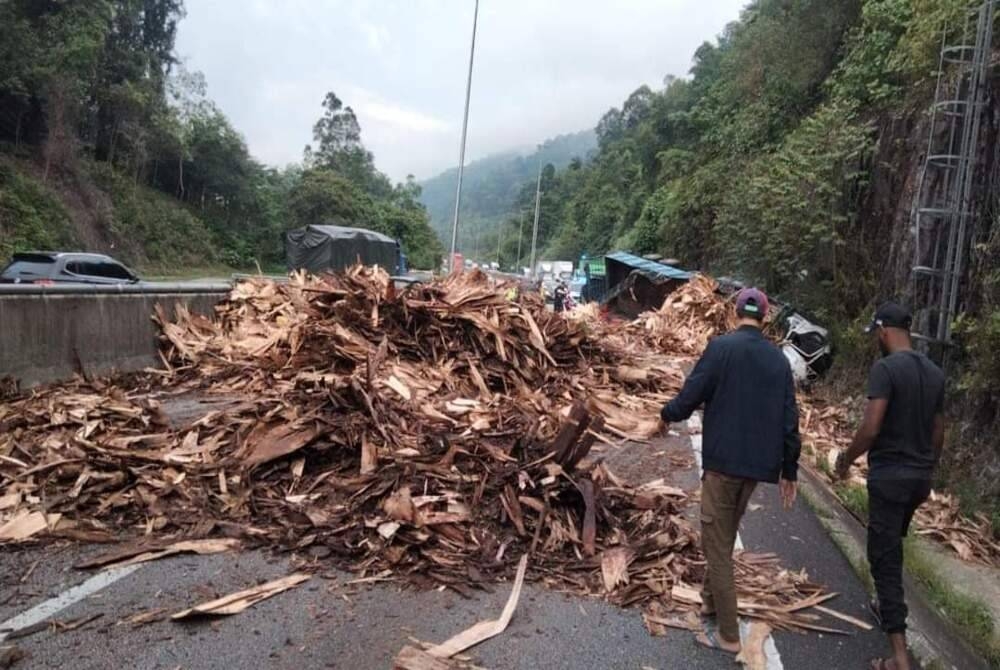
[790, 157]
[109, 144]
[491, 187]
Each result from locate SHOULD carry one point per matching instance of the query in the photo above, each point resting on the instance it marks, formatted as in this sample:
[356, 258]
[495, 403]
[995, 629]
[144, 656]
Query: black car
[57, 267]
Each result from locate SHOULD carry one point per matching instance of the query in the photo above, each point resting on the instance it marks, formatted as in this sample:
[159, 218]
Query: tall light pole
[461, 153]
[520, 234]
[538, 201]
[499, 240]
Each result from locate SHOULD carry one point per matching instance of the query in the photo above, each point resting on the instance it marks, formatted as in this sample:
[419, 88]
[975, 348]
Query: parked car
[58, 267]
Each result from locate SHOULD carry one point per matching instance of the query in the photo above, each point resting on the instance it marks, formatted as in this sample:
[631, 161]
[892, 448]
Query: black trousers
[891, 505]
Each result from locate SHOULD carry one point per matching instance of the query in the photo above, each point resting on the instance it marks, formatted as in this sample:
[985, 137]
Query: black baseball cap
[890, 315]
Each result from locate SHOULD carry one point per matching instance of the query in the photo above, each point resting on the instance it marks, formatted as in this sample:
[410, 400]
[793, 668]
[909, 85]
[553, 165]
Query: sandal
[707, 638]
[881, 664]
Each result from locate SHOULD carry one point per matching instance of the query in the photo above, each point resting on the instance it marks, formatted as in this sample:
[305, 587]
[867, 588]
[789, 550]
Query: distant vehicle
[551, 272]
[62, 267]
[557, 268]
[331, 248]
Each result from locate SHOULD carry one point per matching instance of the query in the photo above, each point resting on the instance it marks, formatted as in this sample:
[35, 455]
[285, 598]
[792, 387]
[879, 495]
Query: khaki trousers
[724, 500]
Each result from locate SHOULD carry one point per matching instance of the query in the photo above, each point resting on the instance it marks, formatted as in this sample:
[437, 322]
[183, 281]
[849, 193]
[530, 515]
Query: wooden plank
[513, 507]
[844, 617]
[235, 603]
[570, 431]
[589, 533]
[585, 444]
[411, 658]
[752, 654]
[484, 630]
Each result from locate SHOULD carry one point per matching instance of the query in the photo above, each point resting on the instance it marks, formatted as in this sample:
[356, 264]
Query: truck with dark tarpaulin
[323, 248]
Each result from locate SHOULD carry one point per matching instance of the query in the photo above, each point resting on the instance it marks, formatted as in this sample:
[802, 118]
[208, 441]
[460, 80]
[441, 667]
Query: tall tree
[339, 148]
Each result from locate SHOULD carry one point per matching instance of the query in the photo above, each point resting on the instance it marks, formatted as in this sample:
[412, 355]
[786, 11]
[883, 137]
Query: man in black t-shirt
[903, 434]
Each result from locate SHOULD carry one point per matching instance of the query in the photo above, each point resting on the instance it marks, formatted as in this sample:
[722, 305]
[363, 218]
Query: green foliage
[972, 618]
[770, 70]
[793, 210]
[492, 190]
[150, 227]
[339, 148]
[323, 196]
[855, 499]
[31, 216]
[980, 341]
[758, 166]
[98, 82]
[896, 45]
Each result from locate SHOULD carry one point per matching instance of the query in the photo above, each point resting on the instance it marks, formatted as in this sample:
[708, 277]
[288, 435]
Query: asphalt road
[327, 623]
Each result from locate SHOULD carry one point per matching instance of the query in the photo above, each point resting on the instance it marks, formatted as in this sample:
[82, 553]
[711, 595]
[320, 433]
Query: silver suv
[58, 267]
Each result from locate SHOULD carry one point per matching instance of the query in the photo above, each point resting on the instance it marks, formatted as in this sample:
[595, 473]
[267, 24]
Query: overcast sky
[543, 67]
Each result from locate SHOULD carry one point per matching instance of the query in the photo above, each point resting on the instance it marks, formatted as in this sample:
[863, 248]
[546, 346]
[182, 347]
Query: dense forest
[755, 164]
[490, 188]
[108, 143]
[788, 157]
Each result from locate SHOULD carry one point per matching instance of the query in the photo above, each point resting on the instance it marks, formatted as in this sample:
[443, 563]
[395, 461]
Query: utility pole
[476, 253]
[499, 240]
[520, 234]
[461, 153]
[538, 201]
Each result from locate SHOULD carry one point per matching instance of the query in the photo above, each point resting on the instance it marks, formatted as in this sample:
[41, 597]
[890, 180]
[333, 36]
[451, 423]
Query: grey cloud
[542, 67]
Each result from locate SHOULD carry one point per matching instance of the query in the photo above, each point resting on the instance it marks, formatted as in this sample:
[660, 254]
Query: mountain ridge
[491, 184]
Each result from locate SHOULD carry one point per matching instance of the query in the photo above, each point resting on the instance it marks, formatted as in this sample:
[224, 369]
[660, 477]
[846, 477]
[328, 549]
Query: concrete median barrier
[50, 333]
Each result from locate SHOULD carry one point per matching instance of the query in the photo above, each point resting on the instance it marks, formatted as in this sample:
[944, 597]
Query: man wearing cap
[751, 435]
[903, 433]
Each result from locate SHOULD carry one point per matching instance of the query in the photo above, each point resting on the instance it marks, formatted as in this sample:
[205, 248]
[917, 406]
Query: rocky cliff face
[886, 229]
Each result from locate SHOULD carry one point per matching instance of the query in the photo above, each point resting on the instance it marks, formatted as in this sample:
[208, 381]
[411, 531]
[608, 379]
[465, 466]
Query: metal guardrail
[142, 288]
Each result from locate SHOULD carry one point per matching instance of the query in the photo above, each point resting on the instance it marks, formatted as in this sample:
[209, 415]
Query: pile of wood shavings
[431, 436]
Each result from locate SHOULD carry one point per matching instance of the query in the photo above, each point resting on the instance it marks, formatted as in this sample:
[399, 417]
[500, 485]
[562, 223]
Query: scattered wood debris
[235, 603]
[10, 655]
[752, 654]
[144, 617]
[53, 625]
[690, 316]
[425, 436]
[411, 658]
[827, 430]
[151, 551]
[484, 630]
[26, 524]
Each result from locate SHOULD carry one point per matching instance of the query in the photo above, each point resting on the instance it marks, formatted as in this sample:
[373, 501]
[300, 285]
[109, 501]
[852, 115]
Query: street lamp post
[538, 201]
[461, 153]
[520, 234]
[499, 240]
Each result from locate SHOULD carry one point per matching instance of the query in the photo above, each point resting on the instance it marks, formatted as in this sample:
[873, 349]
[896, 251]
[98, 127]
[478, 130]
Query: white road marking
[53, 606]
[770, 648]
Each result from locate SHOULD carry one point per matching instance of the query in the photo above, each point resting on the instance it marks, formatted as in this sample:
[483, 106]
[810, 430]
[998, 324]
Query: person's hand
[789, 491]
[842, 467]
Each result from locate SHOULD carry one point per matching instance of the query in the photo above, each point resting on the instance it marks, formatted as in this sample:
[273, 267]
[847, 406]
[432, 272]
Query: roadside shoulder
[935, 639]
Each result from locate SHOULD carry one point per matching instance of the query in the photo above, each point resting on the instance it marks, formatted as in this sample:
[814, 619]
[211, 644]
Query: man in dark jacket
[751, 435]
[903, 434]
